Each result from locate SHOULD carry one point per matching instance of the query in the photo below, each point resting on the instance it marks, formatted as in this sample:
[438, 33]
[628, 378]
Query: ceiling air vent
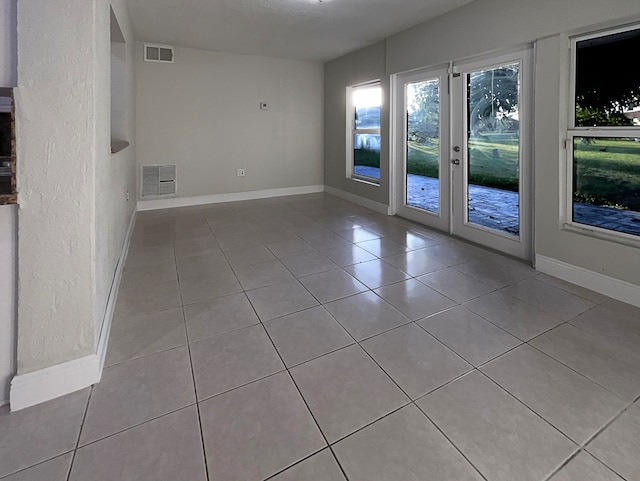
[158, 53]
[158, 180]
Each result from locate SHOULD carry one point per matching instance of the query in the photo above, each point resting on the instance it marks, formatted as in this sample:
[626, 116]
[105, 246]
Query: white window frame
[574, 131]
[352, 131]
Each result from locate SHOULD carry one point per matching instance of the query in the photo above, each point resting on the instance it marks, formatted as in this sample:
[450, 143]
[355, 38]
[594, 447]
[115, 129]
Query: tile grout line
[414, 403]
[450, 441]
[563, 465]
[580, 446]
[566, 365]
[71, 451]
[411, 400]
[607, 425]
[193, 377]
[84, 418]
[527, 406]
[474, 368]
[306, 405]
[197, 405]
[271, 476]
[484, 363]
[133, 426]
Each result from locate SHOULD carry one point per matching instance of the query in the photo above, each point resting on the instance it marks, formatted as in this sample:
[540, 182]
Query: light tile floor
[306, 338]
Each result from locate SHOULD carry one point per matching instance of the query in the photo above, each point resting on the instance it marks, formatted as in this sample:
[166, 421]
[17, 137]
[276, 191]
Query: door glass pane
[493, 148]
[606, 183]
[423, 145]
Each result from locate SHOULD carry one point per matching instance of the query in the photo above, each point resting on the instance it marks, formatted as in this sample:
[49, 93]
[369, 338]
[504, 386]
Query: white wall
[8, 43]
[490, 25]
[552, 240]
[115, 174]
[56, 151]
[119, 101]
[359, 67]
[73, 210]
[202, 113]
[486, 25]
[8, 293]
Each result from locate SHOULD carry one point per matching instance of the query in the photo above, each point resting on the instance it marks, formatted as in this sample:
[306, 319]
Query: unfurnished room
[319, 240]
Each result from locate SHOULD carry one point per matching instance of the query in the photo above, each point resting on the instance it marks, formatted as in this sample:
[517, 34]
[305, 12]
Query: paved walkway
[498, 209]
[626, 221]
[493, 208]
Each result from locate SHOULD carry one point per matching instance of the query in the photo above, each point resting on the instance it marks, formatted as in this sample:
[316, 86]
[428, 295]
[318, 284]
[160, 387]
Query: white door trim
[521, 246]
[399, 133]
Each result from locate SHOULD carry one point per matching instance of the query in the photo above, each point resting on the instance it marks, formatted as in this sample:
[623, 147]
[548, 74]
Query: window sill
[118, 145]
[628, 240]
[364, 180]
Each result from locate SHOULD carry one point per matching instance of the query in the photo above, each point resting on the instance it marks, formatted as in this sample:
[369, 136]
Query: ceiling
[300, 29]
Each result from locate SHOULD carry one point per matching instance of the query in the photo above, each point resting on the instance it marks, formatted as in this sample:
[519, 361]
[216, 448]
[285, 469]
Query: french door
[463, 149]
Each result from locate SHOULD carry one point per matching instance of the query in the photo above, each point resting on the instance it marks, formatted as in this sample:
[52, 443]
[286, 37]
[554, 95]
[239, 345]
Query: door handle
[455, 161]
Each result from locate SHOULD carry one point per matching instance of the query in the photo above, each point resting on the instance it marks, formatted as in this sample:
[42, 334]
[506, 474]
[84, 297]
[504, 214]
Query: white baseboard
[155, 204]
[103, 340]
[55, 381]
[357, 199]
[615, 288]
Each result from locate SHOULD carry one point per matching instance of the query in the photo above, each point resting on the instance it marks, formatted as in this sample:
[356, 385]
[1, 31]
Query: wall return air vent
[158, 53]
[158, 180]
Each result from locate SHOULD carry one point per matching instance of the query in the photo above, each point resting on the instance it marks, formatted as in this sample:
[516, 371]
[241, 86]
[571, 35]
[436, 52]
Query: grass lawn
[608, 173]
[366, 157]
[608, 169]
[494, 163]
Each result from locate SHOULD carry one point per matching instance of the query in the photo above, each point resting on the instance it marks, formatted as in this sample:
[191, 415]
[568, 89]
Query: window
[603, 141]
[363, 135]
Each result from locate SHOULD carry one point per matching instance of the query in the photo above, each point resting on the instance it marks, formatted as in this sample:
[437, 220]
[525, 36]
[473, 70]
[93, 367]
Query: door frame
[524, 246]
[520, 246]
[397, 195]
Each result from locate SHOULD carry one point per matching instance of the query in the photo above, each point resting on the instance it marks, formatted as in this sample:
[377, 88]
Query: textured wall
[73, 211]
[55, 111]
[202, 113]
[115, 174]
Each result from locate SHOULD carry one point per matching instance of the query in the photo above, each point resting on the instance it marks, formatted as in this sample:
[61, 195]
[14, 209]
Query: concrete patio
[498, 209]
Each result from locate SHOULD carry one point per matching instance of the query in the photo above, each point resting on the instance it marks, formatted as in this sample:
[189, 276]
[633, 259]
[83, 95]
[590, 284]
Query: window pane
[366, 155]
[423, 145]
[367, 101]
[606, 183]
[607, 93]
[493, 148]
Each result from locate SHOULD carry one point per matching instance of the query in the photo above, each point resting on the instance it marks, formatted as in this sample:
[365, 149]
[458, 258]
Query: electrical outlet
[264, 106]
[127, 196]
[240, 173]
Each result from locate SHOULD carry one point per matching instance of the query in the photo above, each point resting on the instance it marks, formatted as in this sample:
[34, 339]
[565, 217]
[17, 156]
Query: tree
[493, 99]
[424, 111]
[606, 86]
[593, 116]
